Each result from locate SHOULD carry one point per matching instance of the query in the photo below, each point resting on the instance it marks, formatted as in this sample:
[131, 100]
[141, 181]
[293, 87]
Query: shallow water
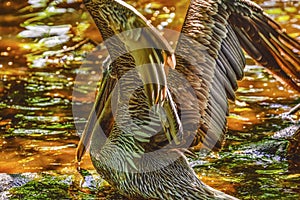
[42, 48]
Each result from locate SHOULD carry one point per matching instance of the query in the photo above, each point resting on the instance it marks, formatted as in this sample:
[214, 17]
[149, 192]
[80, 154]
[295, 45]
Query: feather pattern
[141, 149]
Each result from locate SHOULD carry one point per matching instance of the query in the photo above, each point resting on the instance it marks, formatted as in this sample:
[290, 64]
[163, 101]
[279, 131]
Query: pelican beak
[85, 138]
[101, 111]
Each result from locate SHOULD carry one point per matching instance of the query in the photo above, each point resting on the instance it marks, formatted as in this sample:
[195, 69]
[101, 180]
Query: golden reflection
[255, 87]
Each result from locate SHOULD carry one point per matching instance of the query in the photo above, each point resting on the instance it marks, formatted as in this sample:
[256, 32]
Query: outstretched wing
[266, 42]
[209, 56]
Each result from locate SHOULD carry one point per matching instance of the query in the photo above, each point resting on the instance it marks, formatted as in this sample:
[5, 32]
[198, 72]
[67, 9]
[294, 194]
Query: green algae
[48, 187]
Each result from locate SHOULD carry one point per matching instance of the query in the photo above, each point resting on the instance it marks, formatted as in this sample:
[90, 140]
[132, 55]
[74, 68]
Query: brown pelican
[148, 116]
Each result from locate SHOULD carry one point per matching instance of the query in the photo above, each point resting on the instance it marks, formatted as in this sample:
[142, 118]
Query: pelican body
[156, 106]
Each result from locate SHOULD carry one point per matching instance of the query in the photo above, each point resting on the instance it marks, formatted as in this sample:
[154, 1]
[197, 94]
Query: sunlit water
[42, 48]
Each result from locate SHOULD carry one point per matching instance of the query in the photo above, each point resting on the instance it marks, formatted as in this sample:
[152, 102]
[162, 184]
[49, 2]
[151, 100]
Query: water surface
[42, 48]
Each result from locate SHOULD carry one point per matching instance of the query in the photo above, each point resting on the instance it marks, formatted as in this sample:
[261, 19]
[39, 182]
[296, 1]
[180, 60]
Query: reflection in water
[42, 48]
[36, 86]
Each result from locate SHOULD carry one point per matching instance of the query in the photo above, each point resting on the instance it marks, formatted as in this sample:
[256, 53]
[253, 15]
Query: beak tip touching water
[81, 149]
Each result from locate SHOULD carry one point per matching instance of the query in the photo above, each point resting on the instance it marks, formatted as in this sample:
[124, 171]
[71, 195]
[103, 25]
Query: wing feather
[264, 40]
[207, 23]
[222, 28]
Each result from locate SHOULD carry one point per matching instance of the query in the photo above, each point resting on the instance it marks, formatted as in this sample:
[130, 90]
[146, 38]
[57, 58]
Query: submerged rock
[8, 181]
[54, 185]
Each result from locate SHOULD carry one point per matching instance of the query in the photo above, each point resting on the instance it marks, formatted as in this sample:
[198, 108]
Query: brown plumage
[140, 128]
